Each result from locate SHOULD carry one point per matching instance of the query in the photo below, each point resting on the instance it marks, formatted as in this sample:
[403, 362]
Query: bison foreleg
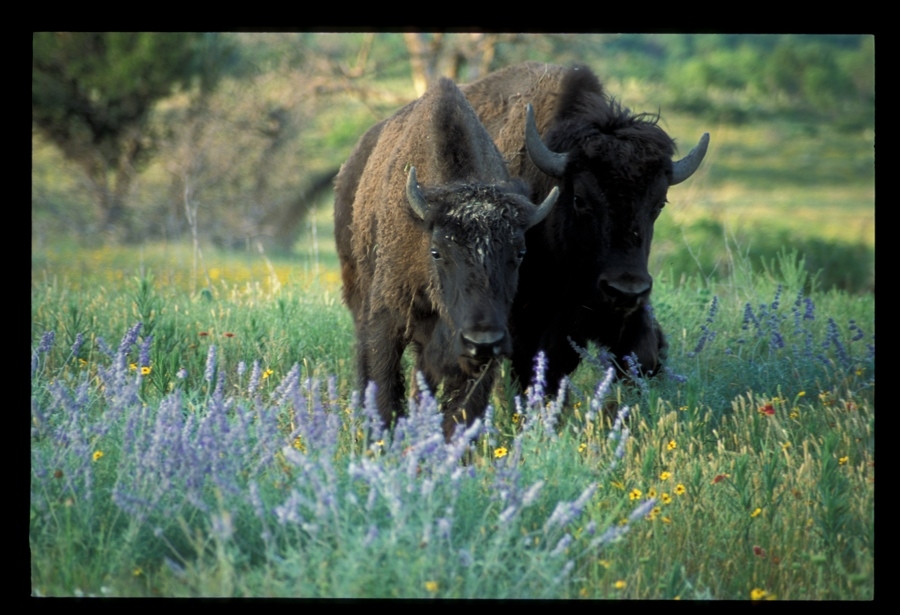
[379, 353]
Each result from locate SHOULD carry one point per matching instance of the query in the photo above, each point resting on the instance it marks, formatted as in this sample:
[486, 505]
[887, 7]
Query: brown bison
[434, 265]
[586, 275]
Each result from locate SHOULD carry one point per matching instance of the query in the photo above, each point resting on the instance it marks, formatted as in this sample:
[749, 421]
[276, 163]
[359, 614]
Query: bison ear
[549, 162]
[684, 168]
[414, 195]
[541, 212]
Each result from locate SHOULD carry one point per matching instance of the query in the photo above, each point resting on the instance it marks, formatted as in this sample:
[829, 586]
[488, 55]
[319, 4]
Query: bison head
[614, 180]
[476, 244]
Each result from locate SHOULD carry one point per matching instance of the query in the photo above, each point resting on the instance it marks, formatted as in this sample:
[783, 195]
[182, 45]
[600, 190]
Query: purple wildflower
[566, 512]
[600, 393]
[642, 510]
[859, 332]
[76, 346]
[103, 347]
[634, 370]
[562, 545]
[254, 378]
[210, 363]
[612, 534]
[144, 356]
[128, 341]
[809, 314]
[46, 342]
[531, 494]
[777, 298]
[536, 391]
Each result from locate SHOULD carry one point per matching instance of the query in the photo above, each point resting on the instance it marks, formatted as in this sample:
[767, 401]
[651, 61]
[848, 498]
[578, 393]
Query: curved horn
[684, 168]
[549, 162]
[414, 195]
[544, 208]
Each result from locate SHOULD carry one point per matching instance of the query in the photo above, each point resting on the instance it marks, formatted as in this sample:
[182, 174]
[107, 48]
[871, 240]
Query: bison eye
[435, 254]
[521, 254]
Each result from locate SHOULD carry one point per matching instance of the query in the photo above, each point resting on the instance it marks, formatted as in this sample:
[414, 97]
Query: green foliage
[91, 94]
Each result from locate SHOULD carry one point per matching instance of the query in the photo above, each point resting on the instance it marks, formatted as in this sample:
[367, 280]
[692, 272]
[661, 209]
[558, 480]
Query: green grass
[808, 468]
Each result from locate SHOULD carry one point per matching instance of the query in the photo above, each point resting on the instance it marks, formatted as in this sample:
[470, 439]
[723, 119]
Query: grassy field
[219, 450]
[195, 431]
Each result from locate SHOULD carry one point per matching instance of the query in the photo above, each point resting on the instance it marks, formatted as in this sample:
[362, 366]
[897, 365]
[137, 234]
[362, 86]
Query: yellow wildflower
[679, 489]
[651, 492]
[431, 586]
[786, 445]
[515, 418]
[145, 371]
[666, 498]
[605, 563]
[635, 494]
[672, 445]
[843, 460]
[97, 455]
[757, 594]
[132, 366]
[664, 476]
[267, 373]
[582, 447]
[756, 512]
[500, 452]
[620, 584]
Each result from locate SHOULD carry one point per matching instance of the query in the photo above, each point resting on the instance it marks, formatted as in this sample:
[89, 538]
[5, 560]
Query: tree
[461, 56]
[91, 94]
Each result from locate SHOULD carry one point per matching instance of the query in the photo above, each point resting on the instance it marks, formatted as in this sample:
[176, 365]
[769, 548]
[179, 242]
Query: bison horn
[414, 195]
[548, 161]
[685, 167]
[541, 211]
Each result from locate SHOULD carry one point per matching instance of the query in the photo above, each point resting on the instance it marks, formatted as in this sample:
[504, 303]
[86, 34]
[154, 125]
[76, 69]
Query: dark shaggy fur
[442, 282]
[586, 275]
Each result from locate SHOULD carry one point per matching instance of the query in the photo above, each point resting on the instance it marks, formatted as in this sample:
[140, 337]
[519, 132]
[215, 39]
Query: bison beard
[586, 277]
[434, 267]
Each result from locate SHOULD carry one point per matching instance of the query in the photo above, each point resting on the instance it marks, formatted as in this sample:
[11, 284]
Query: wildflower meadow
[210, 443]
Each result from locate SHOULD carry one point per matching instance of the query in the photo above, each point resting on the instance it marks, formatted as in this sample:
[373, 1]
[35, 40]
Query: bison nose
[481, 344]
[627, 290]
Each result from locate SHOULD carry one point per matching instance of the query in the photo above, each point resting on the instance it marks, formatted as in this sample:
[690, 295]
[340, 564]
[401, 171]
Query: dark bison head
[477, 242]
[614, 172]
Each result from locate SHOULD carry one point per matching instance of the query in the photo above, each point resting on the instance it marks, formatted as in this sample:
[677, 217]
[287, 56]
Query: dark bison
[586, 275]
[432, 265]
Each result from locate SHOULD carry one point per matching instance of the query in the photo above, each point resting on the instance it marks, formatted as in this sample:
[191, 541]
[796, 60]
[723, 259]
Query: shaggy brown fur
[444, 281]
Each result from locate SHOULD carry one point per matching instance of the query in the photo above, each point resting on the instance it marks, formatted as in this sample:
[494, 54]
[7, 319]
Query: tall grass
[211, 445]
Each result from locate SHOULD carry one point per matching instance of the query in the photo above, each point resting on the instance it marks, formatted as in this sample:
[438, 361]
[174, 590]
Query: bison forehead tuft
[479, 210]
